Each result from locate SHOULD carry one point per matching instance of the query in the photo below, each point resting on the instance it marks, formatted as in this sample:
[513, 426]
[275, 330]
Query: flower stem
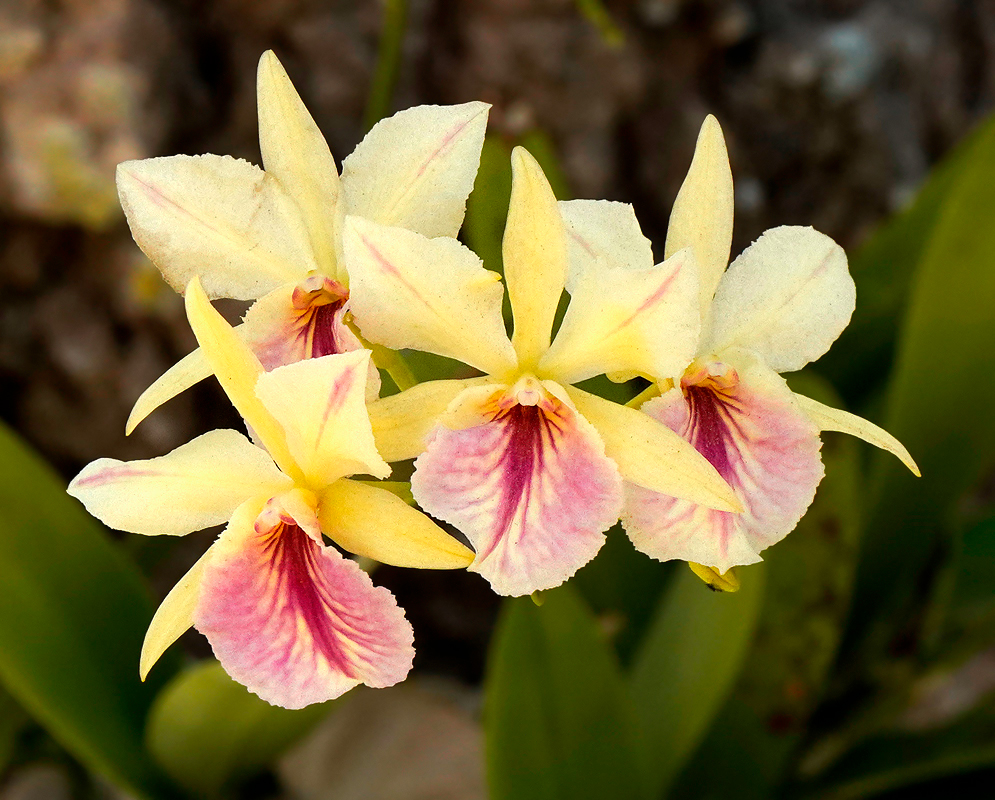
[395, 18]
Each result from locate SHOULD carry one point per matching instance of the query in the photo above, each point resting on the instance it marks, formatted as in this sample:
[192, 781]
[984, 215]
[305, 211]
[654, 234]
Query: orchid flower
[286, 614]
[780, 305]
[526, 465]
[275, 236]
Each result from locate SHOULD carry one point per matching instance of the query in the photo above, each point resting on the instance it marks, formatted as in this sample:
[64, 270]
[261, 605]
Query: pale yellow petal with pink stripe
[408, 291]
[195, 486]
[373, 522]
[321, 404]
[216, 217]
[415, 169]
[621, 320]
[833, 419]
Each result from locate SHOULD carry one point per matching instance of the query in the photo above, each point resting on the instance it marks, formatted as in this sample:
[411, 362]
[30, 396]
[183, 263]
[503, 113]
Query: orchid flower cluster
[717, 460]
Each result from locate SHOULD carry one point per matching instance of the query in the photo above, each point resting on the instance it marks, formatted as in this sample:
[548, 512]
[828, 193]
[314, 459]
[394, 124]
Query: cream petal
[531, 489]
[407, 291]
[534, 251]
[787, 297]
[651, 455]
[759, 440]
[296, 154]
[237, 370]
[373, 522]
[702, 214]
[625, 320]
[196, 486]
[188, 371]
[402, 422]
[217, 217]
[293, 620]
[174, 617]
[833, 419]
[415, 169]
[603, 234]
[321, 404]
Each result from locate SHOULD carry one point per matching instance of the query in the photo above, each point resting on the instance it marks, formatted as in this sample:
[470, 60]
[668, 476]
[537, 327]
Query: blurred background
[864, 671]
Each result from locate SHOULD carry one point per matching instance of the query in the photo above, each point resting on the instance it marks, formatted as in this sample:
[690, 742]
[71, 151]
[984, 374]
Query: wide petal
[834, 419]
[293, 620]
[651, 455]
[531, 489]
[321, 404]
[196, 486]
[425, 294]
[603, 233]
[237, 370]
[750, 428]
[373, 522]
[702, 214]
[188, 371]
[217, 217]
[415, 169]
[296, 154]
[787, 297]
[625, 320]
[402, 422]
[174, 617]
[534, 251]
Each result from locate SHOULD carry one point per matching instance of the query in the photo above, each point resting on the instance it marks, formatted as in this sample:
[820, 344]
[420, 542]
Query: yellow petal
[717, 581]
[786, 298]
[605, 233]
[408, 291]
[833, 419]
[197, 485]
[376, 523]
[173, 617]
[237, 370]
[535, 257]
[625, 320]
[188, 371]
[296, 154]
[216, 217]
[651, 455]
[402, 421]
[415, 169]
[702, 215]
[321, 404]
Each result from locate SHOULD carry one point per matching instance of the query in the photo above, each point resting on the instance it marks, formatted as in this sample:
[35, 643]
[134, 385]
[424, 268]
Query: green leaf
[808, 585]
[883, 270]
[945, 367]
[487, 206]
[686, 666]
[902, 760]
[623, 586]
[209, 732]
[12, 720]
[556, 718]
[73, 614]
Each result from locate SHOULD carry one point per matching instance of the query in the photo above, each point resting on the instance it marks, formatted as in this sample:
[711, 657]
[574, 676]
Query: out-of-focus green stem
[395, 17]
[394, 363]
[598, 16]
